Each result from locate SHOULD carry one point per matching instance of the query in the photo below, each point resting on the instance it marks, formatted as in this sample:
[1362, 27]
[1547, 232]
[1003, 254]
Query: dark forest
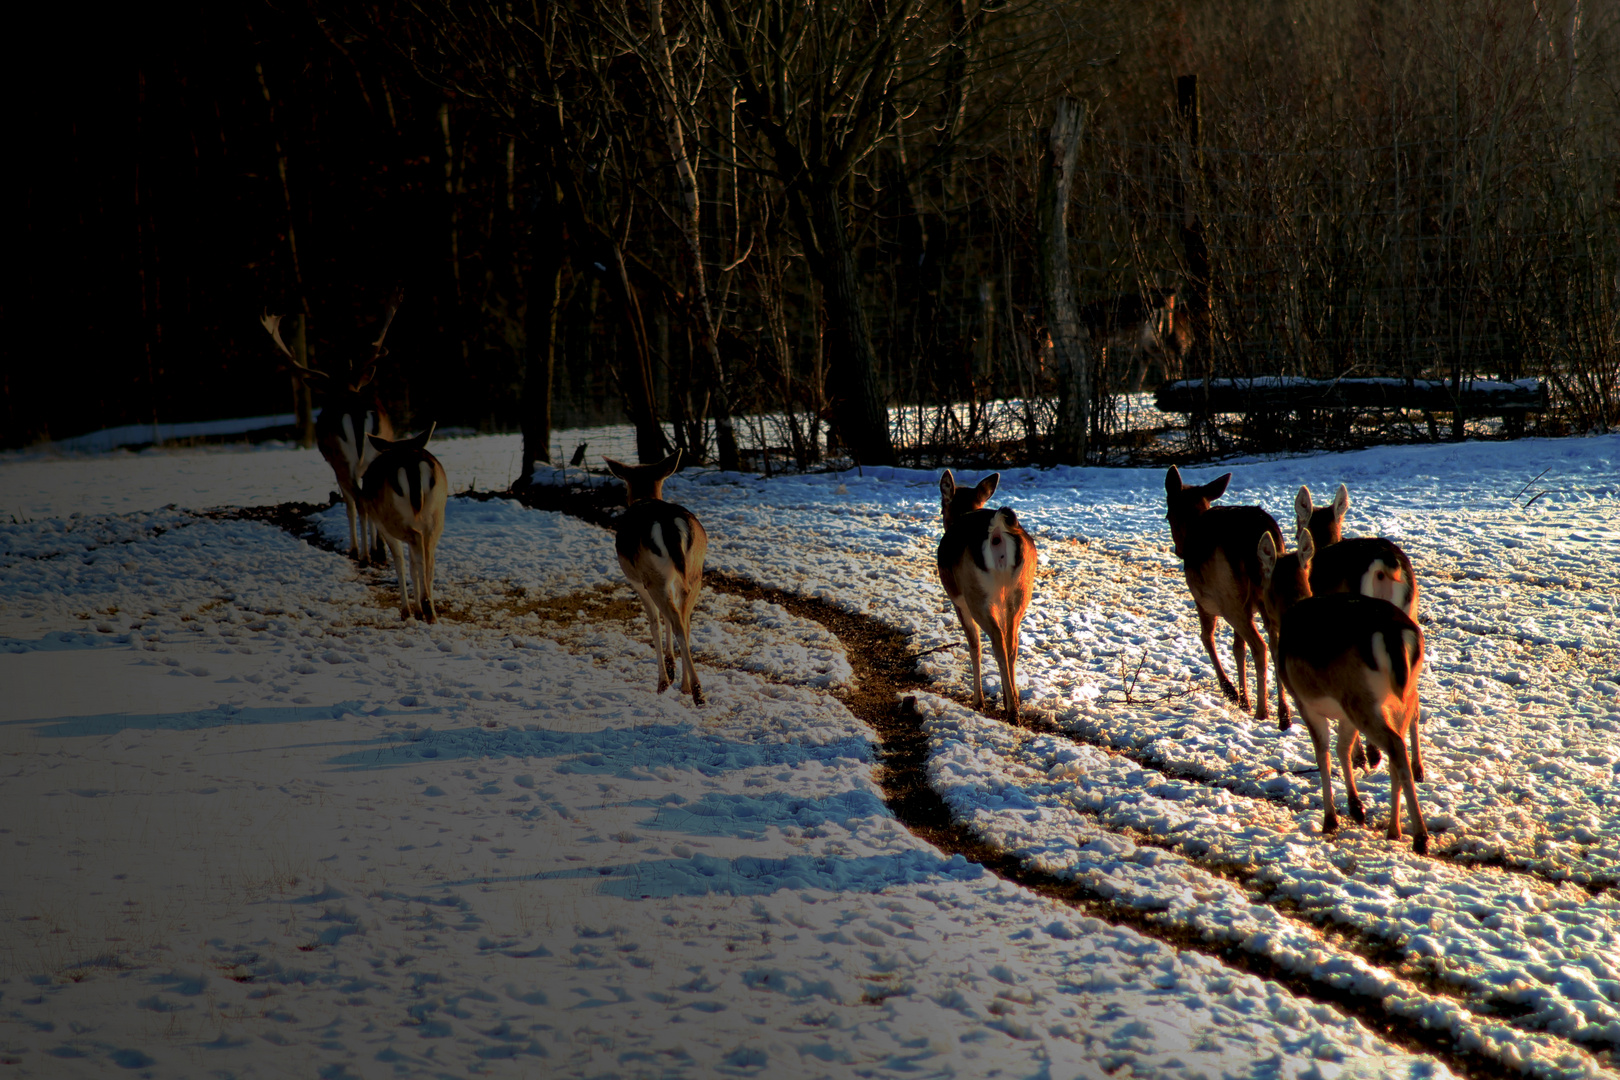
[754, 229]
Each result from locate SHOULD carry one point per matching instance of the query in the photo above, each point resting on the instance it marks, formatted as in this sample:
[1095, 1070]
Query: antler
[368, 370]
[395, 298]
[272, 323]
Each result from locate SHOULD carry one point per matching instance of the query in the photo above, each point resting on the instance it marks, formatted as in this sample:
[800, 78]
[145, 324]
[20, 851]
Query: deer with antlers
[1217, 546]
[350, 411]
[1369, 565]
[1351, 658]
[402, 491]
[661, 547]
[987, 565]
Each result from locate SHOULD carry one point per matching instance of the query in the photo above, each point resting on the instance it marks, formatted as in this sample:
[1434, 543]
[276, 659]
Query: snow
[141, 434]
[258, 826]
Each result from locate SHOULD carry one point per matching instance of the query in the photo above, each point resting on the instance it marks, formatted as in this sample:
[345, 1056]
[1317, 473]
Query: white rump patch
[1386, 583]
[426, 468]
[1000, 548]
[655, 541]
[1411, 639]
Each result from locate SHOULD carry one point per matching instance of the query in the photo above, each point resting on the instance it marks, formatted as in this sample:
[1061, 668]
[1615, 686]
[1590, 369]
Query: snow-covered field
[256, 826]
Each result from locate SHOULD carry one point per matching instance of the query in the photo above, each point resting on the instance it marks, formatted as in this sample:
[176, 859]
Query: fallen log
[1274, 394]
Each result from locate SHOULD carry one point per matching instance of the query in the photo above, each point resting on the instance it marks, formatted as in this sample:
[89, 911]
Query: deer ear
[669, 464]
[617, 468]
[1303, 507]
[1217, 487]
[987, 487]
[1268, 553]
[1172, 481]
[378, 443]
[1307, 549]
[1341, 502]
[947, 485]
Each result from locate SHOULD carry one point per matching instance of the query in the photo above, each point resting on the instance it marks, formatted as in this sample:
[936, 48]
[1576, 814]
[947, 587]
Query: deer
[350, 411]
[1146, 325]
[1217, 546]
[1351, 658]
[1369, 565]
[402, 491]
[661, 547]
[987, 566]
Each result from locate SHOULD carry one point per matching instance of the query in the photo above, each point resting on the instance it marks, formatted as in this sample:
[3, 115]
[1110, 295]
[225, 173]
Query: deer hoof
[1330, 823]
[1358, 759]
[697, 695]
[663, 684]
[428, 613]
[1357, 811]
[1284, 722]
[1374, 756]
[1417, 772]
[1420, 844]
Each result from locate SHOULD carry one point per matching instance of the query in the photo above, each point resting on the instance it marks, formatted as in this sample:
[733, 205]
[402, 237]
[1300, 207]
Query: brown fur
[407, 510]
[1372, 566]
[1145, 326]
[352, 399]
[661, 548]
[1352, 658]
[991, 590]
[357, 404]
[1217, 548]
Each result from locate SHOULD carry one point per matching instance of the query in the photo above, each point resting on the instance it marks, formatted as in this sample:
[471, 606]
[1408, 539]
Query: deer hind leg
[688, 603]
[1206, 634]
[421, 564]
[1317, 724]
[1244, 633]
[1401, 779]
[971, 629]
[399, 570]
[372, 548]
[1284, 721]
[348, 505]
[1009, 677]
[655, 622]
[682, 626]
[430, 544]
[1417, 751]
[1001, 647]
[1347, 742]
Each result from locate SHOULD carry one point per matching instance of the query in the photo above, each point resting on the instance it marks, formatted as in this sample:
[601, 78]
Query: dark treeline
[758, 225]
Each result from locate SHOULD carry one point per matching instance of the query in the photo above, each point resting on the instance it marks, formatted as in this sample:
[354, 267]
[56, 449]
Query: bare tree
[1069, 354]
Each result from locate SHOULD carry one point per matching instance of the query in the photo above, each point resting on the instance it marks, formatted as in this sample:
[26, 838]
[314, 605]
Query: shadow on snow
[624, 753]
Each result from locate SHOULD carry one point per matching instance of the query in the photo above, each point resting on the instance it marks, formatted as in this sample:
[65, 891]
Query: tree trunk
[540, 331]
[303, 401]
[637, 383]
[857, 405]
[690, 220]
[302, 408]
[1069, 353]
[1195, 249]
